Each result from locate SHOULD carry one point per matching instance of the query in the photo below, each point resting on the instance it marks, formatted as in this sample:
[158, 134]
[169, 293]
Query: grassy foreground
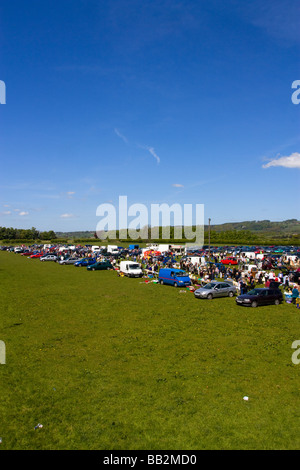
[113, 363]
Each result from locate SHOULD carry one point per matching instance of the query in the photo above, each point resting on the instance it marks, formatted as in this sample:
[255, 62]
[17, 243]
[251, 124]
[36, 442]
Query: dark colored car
[220, 266]
[260, 296]
[85, 262]
[105, 254]
[101, 265]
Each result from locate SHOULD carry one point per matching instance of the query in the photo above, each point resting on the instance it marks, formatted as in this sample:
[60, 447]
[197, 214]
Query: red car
[36, 255]
[26, 253]
[229, 261]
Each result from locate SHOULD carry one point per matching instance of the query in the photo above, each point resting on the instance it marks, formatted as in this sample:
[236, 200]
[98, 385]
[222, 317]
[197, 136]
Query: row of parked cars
[171, 276]
[253, 298]
[90, 263]
[179, 278]
[213, 289]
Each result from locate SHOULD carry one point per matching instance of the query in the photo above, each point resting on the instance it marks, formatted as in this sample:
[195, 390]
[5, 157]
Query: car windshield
[209, 286]
[255, 292]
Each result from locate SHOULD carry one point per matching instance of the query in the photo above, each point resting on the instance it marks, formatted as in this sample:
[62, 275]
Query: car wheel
[277, 302]
[93, 269]
[161, 282]
[254, 304]
[210, 296]
[230, 294]
[175, 284]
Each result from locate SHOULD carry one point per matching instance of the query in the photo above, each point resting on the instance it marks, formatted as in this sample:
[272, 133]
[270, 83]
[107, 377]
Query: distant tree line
[9, 233]
[227, 237]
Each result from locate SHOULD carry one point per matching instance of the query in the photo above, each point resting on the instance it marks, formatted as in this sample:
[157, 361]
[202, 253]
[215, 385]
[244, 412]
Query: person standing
[295, 294]
[242, 287]
[286, 281]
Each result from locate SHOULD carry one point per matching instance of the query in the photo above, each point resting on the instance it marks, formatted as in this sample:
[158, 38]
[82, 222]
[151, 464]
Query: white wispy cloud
[70, 194]
[290, 161]
[177, 185]
[151, 150]
[6, 213]
[22, 213]
[118, 133]
[153, 153]
[67, 216]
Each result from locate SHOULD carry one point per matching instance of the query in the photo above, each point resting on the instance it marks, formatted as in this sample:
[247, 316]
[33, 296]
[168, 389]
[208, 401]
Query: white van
[291, 258]
[163, 248]
[177, 249]
[112, 249]
[250, 268]
[195, 259]
[249, 254]
[131, 269]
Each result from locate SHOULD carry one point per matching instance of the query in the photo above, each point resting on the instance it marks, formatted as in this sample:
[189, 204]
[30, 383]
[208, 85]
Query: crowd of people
[211, 269]
[208, 268]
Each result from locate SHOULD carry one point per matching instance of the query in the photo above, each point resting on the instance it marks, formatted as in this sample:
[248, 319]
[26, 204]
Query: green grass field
[105, 362]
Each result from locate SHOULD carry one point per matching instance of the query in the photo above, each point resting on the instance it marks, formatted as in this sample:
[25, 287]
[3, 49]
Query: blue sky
[163, 101]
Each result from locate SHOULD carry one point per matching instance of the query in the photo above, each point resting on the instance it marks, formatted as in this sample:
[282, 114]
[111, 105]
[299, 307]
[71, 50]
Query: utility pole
[209, 237]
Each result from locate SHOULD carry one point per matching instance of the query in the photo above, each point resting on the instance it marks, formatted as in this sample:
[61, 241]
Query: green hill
[265, 227]
[286, 228]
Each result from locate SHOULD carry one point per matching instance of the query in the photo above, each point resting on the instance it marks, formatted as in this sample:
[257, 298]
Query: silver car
[216, 289]
[48, 258]
[69, 261]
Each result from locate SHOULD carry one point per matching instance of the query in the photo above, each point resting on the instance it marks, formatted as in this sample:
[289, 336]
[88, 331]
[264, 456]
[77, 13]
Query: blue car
[85, 262]
[174, 277]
